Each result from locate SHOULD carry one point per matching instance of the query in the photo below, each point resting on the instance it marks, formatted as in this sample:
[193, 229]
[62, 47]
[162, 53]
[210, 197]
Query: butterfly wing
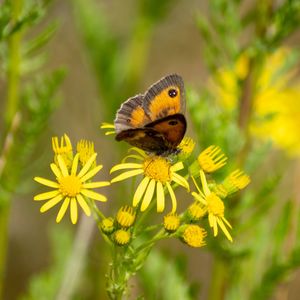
[154, 121]
[147, 139]
[131, 115]
[172, 128]
[165, 97]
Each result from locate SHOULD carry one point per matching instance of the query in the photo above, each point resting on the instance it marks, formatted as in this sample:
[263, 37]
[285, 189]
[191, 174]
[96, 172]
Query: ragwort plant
[128, 232]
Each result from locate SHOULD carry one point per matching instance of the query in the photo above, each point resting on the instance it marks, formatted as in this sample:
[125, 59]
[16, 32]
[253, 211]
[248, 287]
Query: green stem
[13, 82]
[13, 73]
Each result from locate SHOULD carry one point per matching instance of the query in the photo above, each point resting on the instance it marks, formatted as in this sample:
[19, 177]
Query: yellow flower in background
[86, 150]
[64, 149]
[71, 188]
[236, 180]
[214, 207]
[276, 102]
[158, 174]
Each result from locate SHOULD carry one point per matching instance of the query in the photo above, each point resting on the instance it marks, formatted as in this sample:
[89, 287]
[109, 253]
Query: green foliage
[44, 286]
[165, 279]
[118, 63]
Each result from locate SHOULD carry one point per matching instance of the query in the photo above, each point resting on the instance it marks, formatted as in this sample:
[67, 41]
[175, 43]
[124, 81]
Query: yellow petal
[132, 156]
[173, 197]
[75, 164]
[96, 184]
[196, 185]
[180, 180]
[127, 174]
[46, 182]
[63, 209]
[87, 166]
[148, 195]
[93, 195]
[125, 166]
[62, 166]
[109, 132]
[178, 166]
[160, 197]
[45, 196]
[227, 223]
[74, 211]
[199, 198]
[83, 205]
[105, 125]
[49, 204]
[210, 220]
[140, 191]
[56, 170]
[139, 151]
[204, 183]
[91, 173]
[224, 229]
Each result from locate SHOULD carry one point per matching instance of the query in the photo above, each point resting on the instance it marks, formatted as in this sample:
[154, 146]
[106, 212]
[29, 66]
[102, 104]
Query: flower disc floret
[157, 168]
[193, 235]
[215, 205]
[122, 237]
[171, 222]
[70, 185]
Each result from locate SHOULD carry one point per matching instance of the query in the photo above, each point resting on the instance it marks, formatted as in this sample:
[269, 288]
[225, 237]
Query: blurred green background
[138, 42]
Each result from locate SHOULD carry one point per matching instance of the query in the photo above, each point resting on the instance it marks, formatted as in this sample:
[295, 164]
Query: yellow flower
[186, 147]
[158, 173]
[235, 181]
[171, 222]
[193, 235]
[86, 150]
[64, 149]
[71, 188]
[109, 127]
[196, 211]
[122, 237]
[126, 216]
[214, 206]
[276, 102]
[211, 159]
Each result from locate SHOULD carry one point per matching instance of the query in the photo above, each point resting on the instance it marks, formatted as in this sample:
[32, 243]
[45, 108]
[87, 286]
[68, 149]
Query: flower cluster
[159, 177]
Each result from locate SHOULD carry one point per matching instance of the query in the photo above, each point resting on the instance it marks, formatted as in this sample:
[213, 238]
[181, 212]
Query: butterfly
[154, 121]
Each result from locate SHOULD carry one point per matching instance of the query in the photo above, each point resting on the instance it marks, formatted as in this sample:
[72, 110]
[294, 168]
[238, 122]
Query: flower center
[70, 185]
[157, 168]
[194, 236]
[215, 205]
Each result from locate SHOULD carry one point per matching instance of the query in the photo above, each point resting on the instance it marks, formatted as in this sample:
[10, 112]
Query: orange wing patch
[163, 105]
[172, 128]
[138, 117]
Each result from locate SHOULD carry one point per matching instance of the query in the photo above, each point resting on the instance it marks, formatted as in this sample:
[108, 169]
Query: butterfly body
[154, 121]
